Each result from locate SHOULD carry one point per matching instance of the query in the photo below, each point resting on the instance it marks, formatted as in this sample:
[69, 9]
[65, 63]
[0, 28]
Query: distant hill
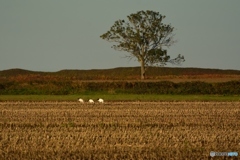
[121, 80]
[125, 73]
[17, 71]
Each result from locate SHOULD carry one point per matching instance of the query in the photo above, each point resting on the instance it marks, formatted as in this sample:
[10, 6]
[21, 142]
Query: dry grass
[128, 130]
[202, 78]
[215, 78]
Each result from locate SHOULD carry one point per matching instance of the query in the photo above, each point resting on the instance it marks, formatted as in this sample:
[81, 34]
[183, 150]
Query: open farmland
[118, 130]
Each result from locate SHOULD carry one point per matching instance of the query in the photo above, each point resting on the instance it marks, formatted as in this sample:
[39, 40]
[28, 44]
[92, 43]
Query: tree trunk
[142, 70]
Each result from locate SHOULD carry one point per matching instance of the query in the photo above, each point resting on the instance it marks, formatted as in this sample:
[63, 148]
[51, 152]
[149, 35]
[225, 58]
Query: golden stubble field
[118, 130]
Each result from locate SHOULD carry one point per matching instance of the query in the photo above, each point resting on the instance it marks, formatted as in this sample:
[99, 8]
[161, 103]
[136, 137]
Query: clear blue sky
[51, 35]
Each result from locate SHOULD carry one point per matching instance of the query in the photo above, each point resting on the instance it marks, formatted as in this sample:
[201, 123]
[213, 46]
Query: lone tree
[144, 36]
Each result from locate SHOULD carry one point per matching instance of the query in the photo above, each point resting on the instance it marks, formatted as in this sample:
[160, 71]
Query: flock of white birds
[100, 100]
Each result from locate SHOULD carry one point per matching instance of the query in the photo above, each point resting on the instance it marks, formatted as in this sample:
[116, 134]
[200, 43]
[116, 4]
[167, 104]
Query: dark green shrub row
[161, 87]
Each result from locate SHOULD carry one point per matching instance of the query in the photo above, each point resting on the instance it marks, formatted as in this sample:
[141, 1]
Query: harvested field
[118, 130]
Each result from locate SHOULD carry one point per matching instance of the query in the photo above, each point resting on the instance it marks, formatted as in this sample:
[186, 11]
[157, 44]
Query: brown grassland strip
[176, 79]
[118, 130]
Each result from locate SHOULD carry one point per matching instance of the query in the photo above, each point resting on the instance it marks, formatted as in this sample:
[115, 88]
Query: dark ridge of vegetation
[57, 87]
[122, 73]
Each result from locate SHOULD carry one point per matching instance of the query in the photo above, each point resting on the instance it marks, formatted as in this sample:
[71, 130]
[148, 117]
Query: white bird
[81, 100]
[90, 101]
[100, 100]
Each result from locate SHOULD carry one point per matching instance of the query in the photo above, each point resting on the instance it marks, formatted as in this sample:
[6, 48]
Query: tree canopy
[145, 37]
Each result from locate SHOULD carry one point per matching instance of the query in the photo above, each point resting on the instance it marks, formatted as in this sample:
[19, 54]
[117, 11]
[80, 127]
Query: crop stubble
[118, 130]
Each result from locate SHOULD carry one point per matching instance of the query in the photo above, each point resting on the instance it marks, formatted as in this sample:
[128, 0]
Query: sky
[53, 35]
